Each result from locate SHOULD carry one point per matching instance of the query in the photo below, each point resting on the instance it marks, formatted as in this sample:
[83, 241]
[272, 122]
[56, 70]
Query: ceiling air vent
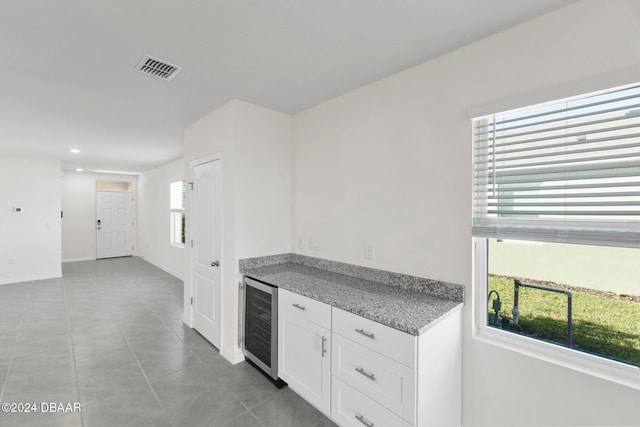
[158, 68]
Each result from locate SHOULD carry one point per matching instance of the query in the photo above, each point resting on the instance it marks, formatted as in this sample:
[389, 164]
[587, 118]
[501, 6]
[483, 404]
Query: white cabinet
[362, 373]
[385, 377]
[304, 347]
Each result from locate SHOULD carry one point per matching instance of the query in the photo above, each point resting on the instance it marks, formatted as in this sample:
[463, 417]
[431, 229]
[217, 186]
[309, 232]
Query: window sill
[178, 245]
[597, 366]
[611, 370]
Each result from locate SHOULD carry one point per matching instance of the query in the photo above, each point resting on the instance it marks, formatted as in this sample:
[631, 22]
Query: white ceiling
[68, 79]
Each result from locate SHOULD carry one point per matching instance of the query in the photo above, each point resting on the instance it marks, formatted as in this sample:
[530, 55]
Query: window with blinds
[177, 197]
[565, 171]
[176, 204]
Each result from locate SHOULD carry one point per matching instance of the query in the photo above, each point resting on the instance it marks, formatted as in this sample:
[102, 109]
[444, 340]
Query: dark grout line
[214, 374]
[24, 310]
[73, 351]
[248, 411]
[137, 361]
[139, 292]
[166, 412]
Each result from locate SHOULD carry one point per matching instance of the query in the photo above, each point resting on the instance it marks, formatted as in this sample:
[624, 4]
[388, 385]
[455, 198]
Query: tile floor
[110, 336]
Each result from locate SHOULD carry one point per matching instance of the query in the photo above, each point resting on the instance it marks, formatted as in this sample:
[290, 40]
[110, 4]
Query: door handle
[215, 263]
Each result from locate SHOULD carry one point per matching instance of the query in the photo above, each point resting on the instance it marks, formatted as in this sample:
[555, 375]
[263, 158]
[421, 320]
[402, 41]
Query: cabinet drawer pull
[324, 349]
[366, 334]
[364, 421]
[369, 375]
[299, 307]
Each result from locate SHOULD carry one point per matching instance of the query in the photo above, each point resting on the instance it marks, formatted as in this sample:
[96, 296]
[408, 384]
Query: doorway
[206, 261]
[114, 224]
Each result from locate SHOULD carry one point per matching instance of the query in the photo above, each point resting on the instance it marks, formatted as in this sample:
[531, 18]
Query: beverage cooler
[261, 327]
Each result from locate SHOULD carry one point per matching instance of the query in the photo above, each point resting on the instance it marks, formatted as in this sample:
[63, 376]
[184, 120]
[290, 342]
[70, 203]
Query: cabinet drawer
[390, 342]
[350, 408]
[386, 381]
[311, 310]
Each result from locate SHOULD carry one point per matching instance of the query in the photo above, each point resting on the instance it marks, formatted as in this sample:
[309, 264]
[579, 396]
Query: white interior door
[205, 256]
[114, 224]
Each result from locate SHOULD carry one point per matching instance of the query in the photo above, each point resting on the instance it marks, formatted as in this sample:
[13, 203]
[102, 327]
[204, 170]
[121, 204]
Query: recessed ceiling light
[75, 150]
[79, 170]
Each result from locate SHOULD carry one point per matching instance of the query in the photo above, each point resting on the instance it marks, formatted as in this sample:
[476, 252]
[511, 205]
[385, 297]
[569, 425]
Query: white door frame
[134, 193]
[192, 165]
[98, 215]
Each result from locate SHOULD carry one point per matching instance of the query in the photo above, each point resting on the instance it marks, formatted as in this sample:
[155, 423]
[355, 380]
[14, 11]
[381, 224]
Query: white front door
[114, 224]
[205, 257]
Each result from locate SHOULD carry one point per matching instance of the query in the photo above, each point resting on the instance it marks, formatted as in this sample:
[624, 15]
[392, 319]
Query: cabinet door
[304, 359]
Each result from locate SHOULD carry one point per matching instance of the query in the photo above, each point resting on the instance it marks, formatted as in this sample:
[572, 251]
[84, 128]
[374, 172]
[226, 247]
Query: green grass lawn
[604, 325]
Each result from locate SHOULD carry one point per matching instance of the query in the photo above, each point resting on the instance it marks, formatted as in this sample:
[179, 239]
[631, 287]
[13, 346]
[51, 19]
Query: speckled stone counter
[407, 303]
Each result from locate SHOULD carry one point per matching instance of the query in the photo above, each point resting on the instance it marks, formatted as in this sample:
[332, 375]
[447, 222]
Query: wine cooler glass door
[259, 326]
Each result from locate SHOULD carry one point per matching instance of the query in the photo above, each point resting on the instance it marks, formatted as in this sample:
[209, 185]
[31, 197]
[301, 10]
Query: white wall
[390, 165]
[255, 145]
[263, 206]
[31, 238]
[153, 235]
[594, 267]
[79, 206]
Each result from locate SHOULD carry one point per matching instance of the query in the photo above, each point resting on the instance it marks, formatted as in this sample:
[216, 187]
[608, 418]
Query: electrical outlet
[368, 251]
[301, 243]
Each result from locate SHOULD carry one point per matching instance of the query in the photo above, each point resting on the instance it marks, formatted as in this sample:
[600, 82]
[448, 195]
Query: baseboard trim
[29, 278]
[155, 264]
[65, 260]
[236, 356]
[187, 320]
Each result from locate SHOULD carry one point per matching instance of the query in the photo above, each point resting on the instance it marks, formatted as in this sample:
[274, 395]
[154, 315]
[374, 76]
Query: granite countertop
[408, 310]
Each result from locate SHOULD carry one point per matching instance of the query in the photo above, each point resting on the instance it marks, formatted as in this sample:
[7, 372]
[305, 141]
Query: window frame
[594, 365]
[587, 363]
[174, 214]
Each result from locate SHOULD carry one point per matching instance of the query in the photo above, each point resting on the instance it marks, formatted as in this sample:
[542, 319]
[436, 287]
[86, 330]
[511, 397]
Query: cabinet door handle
[299, 307]
[365, 333]
[369, 375]
[324, 348]
[364, 421]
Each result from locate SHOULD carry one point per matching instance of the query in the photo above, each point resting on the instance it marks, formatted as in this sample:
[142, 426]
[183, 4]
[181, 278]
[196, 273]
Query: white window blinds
[565, 171]
[177, 195]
